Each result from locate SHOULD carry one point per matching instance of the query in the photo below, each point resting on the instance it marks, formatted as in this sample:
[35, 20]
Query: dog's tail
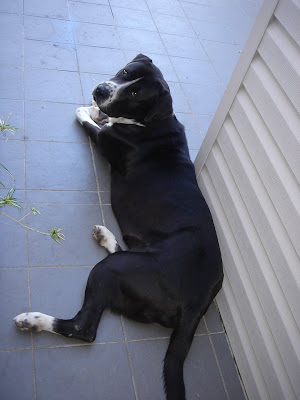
[179, 346]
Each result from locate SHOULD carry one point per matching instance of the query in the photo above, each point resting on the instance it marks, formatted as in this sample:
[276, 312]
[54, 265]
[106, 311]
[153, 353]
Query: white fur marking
[105, 238]
[114, 89]
[35, 321]
[122, 120]
[87, 114]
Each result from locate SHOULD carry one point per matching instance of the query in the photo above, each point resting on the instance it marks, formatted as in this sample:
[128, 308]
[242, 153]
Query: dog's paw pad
[28, 321]
[105, 238]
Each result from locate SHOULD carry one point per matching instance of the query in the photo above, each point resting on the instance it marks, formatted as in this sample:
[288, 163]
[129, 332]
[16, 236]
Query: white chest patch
[121, 120]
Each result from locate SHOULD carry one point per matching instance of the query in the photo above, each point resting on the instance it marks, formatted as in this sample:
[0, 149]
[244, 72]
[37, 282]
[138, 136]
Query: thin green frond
[1, 165]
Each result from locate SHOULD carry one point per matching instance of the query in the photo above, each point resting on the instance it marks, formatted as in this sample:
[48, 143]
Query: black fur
[172, 269]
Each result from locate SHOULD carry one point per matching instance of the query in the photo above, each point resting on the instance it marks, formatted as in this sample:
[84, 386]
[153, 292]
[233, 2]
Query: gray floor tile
[173, 25]
[52, 85]
[11, 25]
[224, 69]
[215, 31]
[13, 239]
[239, 33]
[12, 113]
[147, 367]
[88, 12]
[225, 14]
[221, 51]
[105, 198]
[169, 7]
[180, 103]
[201, 374]
[137, 19]
[137, 331]
[49, 55]
[71, 368]
[11, 82]
[63, 126]
[161, 60]
[195, 71]
[61, 196]
[96, 35]
[204, 121]
[213, 320]
[100, 60]
[141, 41]
[132, 4]
[16, 375]
[200, 371]
[251, 8]
[50, 9]
[192, 130]
[203, 99]
[89, 81]
[102, 2]
[74, 169]
[227, 366]
[51, 295]
[11, 51]
[12, 6]
[12, 157]
[76, 222]
[184, 47]
[14, 299]
[48, 29]
[193, 154]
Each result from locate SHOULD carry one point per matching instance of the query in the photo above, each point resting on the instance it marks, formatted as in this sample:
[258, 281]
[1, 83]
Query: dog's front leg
[87, 117]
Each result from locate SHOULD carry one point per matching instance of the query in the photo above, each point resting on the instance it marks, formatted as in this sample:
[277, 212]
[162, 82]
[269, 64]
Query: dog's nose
[100, 91]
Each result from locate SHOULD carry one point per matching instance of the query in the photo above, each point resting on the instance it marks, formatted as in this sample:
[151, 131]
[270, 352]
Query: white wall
[249, 170]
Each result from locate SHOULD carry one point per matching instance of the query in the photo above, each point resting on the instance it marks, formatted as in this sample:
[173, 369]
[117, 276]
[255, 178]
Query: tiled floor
[52, 55]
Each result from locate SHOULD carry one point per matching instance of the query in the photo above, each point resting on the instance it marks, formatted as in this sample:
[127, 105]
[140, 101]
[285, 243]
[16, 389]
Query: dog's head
[138, 91]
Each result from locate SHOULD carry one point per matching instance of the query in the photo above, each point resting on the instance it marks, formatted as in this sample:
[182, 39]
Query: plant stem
[24, 217]
[25, 226]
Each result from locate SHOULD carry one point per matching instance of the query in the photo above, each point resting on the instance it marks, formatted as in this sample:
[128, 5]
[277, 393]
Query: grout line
[179, 81]
[38, 347]
[25, 195]
[128, 357]
[217, 362]
[89, 140]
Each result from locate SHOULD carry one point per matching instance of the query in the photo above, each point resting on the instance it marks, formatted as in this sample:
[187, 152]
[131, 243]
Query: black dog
[173, 269]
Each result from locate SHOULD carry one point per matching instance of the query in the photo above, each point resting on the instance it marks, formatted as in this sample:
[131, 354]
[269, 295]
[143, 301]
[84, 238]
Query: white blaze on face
[114, 89]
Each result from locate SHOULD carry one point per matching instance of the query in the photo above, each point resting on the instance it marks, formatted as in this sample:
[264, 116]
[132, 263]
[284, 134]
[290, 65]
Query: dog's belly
[157, 206]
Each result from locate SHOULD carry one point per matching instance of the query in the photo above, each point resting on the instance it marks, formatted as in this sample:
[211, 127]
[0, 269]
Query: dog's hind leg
[179, 346]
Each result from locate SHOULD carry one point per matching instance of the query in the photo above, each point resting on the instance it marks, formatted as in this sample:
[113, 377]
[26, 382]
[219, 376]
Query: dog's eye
[125, 72]
[134, 94]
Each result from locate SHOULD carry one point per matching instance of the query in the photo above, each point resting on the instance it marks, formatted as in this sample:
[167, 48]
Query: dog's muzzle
[102, 92]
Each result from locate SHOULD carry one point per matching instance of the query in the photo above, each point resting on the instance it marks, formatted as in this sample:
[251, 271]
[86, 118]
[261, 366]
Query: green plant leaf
[1, 165]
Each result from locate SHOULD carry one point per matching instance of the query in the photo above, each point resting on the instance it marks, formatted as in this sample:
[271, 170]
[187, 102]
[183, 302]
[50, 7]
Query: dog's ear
[141, 57]
[163, 107]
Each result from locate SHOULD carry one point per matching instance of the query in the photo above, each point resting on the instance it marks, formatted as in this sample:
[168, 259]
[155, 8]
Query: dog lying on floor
[172, 269]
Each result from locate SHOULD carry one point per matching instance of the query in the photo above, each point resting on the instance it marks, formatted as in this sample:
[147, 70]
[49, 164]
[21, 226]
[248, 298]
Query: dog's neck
[122, 120]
